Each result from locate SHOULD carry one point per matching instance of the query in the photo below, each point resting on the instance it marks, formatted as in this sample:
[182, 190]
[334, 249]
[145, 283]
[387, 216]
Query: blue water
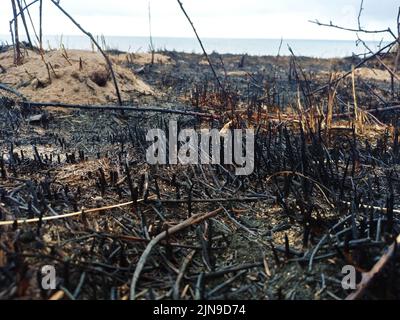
[310, 48]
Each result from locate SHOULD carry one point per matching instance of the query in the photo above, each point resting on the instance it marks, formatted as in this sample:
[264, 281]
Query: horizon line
[194, 38]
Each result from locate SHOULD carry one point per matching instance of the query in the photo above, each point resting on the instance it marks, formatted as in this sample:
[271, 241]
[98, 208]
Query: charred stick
[31, 104]
[196, 219]
[109, 63]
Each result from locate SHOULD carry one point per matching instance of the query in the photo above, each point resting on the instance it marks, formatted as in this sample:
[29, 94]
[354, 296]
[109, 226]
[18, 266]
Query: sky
[288, 19]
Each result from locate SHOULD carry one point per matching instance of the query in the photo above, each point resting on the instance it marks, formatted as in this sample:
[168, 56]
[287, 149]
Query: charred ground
[323, 195]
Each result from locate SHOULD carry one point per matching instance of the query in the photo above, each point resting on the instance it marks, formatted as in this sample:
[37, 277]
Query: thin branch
[26, 7]
[367, 278]
[41, 25]
[98, 47]
[331, 25]
[11, 90]
[68, 215]
[151, 36]
[30, 104]
[359, 15]
[24, 23]
[397, 61]
[377, 110]
[194, 220]
[182, 271]
[202, 47]
[17, 54]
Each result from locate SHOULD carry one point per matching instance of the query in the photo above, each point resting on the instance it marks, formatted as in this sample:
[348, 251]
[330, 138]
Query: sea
[260, 47]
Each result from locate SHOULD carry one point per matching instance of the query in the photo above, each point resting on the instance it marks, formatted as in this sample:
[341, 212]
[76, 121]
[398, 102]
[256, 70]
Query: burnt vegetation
[76, 192]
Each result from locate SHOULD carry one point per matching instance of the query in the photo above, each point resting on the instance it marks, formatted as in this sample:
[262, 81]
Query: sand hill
[75, 76]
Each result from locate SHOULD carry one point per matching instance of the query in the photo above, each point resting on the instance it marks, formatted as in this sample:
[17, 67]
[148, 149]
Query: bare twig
[202, 47]
[26, 7]
[331, 25]
[377, 110]
[367, 278]
[12, 90]
[359, 15]
[182, 271]
[41, 25]
[151, 37]
[196, 219]
[24, 22]
[17, 55]
[114, 108]
[397, 62]
[67, 215]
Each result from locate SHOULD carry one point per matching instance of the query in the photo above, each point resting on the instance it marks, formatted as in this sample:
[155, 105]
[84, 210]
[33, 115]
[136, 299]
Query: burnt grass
[311, 206]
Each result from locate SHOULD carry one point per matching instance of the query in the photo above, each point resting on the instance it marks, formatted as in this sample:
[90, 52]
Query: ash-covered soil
[320, 197]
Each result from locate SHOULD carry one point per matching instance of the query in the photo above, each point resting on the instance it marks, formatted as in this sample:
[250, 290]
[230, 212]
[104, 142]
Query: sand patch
[373, 74]
[72, 76]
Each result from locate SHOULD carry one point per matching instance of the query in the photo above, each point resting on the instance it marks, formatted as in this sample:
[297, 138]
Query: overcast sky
[214, 18]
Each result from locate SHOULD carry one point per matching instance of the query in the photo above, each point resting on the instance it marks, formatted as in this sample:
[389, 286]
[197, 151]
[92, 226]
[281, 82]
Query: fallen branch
[30, 104]
[67, 215]
[365, 206]
[360, 30]
[143, 240]
[367, 278]
[25, 8]
[349, 114]
[15, 36]
[19, 4]
[126, 204]
[196, 219]
[182, 271]
[239, 199]
[11, 90]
